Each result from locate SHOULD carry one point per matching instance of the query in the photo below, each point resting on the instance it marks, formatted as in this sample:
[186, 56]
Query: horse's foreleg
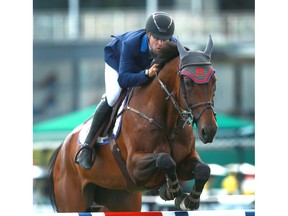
[172, 188]
[147, 166]
[202, 173]
[192, 201]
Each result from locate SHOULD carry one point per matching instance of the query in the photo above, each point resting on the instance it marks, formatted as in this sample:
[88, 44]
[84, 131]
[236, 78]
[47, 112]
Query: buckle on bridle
[188, 118]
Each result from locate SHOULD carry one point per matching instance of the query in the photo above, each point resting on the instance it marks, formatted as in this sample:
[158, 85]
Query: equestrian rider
[128, 59]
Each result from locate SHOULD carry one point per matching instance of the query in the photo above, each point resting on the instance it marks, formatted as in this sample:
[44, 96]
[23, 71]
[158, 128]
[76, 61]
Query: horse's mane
[166, 54]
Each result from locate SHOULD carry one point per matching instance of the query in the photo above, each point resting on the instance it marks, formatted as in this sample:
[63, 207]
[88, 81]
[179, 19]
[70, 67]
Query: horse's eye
[188, 83]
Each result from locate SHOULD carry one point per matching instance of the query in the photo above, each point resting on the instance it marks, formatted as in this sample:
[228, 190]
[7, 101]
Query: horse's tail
[50, 178]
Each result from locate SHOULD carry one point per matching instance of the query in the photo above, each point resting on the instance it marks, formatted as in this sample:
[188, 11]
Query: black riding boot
[85, 155]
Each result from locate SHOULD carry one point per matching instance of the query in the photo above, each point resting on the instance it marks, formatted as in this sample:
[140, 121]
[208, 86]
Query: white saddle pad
[101, 140]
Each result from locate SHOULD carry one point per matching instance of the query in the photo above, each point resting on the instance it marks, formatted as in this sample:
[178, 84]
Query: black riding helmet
[160, 25]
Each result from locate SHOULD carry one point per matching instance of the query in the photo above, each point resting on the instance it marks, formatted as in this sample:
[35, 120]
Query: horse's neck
[154, 102]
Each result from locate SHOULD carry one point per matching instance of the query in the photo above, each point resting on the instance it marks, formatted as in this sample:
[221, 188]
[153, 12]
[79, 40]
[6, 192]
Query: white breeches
[112, 88]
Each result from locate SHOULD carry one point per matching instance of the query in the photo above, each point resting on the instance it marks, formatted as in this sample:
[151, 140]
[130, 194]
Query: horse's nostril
[204, 134]
[207, 134]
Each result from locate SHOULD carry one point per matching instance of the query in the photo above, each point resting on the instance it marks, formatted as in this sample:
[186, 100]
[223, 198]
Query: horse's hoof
[191, 203]
[165, 194]
[169, 194]
[179, 202]
[186, 203]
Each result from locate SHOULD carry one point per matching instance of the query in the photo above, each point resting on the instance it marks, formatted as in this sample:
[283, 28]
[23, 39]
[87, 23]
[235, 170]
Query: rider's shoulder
[130, 35]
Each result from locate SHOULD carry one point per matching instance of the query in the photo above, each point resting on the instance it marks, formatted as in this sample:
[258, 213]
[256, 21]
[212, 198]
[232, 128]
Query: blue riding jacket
[129, 55]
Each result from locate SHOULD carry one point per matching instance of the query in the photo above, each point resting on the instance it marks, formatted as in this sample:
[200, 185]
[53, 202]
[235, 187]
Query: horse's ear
[209, 47]
[181, 49]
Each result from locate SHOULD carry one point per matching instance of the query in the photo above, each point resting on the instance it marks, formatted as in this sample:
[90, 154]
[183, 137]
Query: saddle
[109, 124]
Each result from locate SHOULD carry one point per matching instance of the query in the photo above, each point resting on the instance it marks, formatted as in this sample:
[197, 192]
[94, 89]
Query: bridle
[206, 104]
[186, 115]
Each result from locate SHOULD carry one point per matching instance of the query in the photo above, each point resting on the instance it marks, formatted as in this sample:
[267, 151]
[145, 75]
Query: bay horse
[155, 147]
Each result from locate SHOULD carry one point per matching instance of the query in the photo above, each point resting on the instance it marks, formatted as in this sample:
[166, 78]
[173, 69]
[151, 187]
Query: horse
[155, 147]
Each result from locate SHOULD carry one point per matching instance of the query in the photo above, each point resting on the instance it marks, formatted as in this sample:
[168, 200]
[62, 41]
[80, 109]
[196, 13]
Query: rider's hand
[152, 70]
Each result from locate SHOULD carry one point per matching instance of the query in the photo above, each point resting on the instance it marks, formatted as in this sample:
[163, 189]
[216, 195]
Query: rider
[128, 59]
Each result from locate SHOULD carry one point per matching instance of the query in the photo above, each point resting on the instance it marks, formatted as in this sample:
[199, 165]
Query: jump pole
[163, 213]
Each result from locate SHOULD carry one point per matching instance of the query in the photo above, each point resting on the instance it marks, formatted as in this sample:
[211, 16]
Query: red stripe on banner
[133, 213]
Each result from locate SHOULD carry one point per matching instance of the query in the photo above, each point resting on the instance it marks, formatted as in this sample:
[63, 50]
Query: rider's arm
[132, 67]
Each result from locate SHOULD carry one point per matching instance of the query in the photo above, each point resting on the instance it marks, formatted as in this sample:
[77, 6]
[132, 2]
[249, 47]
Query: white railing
[100, 24]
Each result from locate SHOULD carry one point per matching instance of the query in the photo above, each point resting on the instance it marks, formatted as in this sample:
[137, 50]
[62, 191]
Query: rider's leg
[103, 111]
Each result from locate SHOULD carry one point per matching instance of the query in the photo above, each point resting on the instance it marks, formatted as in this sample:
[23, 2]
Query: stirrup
[87, 147]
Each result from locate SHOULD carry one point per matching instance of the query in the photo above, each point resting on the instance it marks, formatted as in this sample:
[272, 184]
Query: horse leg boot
[192, 201]
[172, 187]
[102, 112]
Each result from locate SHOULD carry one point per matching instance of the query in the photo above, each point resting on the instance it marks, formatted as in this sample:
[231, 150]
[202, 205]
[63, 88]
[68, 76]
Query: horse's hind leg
[69, 197]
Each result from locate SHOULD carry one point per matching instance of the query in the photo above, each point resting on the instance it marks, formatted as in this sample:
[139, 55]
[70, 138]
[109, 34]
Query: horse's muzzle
[207, 133]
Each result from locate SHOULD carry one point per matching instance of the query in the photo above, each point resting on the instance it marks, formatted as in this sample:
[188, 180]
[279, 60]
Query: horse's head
[198, 83]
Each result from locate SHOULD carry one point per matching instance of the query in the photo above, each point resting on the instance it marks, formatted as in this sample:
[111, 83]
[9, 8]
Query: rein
[152, 121]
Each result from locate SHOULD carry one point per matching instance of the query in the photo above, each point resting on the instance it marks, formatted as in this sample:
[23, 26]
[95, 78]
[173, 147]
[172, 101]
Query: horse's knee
[202, 172]
[165, 162]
